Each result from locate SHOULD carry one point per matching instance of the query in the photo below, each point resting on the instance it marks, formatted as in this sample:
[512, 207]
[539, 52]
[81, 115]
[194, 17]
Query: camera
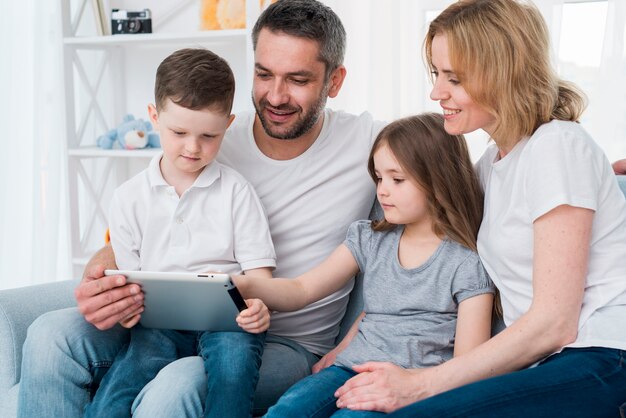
[130, 21]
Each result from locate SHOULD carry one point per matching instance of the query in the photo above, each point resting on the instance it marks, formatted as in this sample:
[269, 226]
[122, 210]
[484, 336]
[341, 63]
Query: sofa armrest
[18, 309]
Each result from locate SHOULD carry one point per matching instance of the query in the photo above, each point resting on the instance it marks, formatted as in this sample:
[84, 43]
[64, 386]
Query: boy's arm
[293, 294]
[473, 326]
[256, 318]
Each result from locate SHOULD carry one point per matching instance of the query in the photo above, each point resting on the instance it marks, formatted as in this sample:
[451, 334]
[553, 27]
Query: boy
[187, 212]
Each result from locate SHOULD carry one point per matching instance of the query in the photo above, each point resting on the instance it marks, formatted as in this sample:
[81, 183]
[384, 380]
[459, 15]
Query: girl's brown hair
[440, 164]
[500, 52]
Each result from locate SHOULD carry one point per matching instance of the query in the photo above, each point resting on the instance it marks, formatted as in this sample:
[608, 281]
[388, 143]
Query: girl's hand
[326, 361]
[382, 387]
[255, 319]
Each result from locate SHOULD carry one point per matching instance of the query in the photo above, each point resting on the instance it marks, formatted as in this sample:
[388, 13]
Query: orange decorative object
[107, 236]
[222, 14]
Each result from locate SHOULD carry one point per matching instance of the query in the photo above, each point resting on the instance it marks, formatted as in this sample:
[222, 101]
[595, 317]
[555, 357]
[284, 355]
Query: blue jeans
[64, 359]
[231, 359]
[314, 397]
[578, 382]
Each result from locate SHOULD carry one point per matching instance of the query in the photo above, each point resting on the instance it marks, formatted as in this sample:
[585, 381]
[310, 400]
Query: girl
[426, 294]
[553, 237]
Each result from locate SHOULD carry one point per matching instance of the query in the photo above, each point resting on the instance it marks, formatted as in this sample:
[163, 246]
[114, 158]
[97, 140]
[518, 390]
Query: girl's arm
[331, 356]
[561, 250]
[473, 325]
[293, 294]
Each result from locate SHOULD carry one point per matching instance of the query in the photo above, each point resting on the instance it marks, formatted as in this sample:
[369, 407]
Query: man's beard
[302, 125]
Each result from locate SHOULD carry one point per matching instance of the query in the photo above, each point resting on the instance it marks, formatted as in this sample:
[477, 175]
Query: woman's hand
[255, 319]
[382, 387]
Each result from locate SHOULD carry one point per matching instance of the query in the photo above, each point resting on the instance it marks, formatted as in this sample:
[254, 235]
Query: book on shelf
[103, 25]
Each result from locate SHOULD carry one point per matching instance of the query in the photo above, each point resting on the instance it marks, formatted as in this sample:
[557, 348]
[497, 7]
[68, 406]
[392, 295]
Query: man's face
[289, 88]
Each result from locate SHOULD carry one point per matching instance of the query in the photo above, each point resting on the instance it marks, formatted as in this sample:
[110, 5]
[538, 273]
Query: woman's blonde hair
[440, 164]
[500, 52]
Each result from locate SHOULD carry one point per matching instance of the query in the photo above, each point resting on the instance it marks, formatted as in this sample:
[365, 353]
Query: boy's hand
[255, 319]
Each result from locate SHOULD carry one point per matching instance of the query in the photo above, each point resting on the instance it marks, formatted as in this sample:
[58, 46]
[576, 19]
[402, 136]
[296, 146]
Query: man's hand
[256, 318]
[619, 166]
[107, 300]
[382, 387]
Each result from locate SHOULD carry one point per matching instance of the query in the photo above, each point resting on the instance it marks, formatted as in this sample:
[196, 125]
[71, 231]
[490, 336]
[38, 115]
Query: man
[308, 166]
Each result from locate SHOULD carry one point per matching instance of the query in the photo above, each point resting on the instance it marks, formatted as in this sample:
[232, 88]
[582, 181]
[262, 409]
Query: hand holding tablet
[187, 301]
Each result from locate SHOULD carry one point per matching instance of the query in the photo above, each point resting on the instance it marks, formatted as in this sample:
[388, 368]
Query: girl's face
[462, 115]
[402, 200]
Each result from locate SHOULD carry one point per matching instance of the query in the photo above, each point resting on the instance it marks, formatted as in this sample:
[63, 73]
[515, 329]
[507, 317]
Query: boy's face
[289, 88]
[190, 138]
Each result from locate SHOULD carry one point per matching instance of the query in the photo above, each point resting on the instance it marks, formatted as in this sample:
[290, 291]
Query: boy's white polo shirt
[218, 224]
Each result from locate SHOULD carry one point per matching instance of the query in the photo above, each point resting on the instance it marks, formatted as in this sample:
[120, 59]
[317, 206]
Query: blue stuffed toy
[130, 134]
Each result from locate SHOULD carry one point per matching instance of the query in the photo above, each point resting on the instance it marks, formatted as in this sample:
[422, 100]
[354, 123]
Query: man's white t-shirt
[558, 165]
[218, 224]
[310, 201]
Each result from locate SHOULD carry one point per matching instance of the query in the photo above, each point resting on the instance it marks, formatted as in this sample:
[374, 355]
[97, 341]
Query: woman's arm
[293, 294]
[561, 250]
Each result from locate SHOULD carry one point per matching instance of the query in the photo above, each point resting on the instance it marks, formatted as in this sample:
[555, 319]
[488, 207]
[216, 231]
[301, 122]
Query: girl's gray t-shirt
[410, 314]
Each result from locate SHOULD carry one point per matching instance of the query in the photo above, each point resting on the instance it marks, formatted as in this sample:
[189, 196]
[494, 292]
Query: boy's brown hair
[439, 163]
[195, 78]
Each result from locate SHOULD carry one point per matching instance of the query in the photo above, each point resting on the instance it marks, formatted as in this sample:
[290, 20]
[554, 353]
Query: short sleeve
[253, 242]
[359, 242]
[471, 279]
[563, 169]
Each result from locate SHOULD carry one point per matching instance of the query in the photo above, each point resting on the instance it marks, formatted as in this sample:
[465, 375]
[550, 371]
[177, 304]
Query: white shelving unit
[107, 77]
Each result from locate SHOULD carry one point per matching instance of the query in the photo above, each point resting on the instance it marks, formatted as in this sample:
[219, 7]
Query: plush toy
[130, 134]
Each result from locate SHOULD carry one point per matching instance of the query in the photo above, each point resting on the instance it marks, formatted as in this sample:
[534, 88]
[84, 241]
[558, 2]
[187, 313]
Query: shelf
[95, 152]
[158, 38]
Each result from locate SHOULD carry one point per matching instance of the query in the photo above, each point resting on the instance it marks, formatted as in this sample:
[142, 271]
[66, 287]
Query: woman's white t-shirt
[558, 165]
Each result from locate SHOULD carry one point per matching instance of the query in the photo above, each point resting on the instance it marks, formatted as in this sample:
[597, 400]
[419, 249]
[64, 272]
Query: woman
[553, 237]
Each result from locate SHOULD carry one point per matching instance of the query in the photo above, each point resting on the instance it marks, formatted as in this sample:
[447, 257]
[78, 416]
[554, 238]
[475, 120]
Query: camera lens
[134, 26]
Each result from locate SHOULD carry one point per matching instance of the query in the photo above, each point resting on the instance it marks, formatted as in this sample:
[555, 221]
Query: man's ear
[154, 116]
[336, 80]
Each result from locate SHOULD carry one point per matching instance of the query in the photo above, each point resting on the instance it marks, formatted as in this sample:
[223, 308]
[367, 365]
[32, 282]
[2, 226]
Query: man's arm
[106, 300]
[619, 166]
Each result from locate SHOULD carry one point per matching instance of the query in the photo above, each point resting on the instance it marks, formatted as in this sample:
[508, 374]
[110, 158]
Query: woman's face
[461, 114]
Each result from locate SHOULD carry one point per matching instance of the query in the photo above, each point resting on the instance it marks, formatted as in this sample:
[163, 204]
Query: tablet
[187, 301]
